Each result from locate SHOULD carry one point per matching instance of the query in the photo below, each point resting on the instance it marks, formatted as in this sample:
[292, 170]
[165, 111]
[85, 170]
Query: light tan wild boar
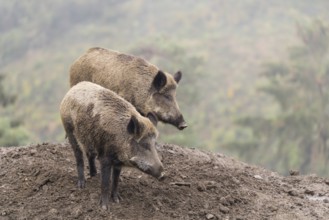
[100, 123]
[139, 82]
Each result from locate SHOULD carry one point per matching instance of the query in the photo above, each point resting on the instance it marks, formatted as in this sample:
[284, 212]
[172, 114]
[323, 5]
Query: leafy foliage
[297, 136]
[5, 99]
[11, 131]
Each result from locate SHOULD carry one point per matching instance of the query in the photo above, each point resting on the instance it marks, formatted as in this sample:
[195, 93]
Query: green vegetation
[11, 131]
[220, 46]
[296, 136]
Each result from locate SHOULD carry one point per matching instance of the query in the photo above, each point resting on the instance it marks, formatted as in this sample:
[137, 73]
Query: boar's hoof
[104, 207]
[116, 198]
[104, 203]
[81, 184]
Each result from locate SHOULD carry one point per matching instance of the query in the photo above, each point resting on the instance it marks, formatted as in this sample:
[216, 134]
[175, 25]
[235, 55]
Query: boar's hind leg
[92, 166]
[79, 159]
[115, 180]
[105, 181]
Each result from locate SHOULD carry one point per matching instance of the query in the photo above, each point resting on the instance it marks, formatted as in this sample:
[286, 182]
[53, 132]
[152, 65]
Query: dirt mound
[39, 182]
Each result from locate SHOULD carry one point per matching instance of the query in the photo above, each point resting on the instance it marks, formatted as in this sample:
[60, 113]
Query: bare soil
[40, 182]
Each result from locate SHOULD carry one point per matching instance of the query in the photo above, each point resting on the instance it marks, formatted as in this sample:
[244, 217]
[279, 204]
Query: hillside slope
[39, 182]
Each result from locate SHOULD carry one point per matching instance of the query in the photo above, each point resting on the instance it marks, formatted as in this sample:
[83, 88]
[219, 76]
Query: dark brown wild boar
[139, 82]
[100, 123]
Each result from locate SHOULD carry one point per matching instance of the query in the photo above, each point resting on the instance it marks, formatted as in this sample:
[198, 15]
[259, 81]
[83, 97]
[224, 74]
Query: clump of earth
[40, 182]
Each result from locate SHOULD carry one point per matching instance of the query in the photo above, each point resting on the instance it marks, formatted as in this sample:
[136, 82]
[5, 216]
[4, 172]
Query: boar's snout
[158, 173]
[182, 125]
[155, 170]
[162, 176]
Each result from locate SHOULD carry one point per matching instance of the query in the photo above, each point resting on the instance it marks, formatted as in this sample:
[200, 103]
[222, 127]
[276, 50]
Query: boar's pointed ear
[134, 127]
[153, 118]
[178, 76]
[160, 80]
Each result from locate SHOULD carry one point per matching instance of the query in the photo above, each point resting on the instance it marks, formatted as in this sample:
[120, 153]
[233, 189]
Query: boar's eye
[168, 97]
[146, 146]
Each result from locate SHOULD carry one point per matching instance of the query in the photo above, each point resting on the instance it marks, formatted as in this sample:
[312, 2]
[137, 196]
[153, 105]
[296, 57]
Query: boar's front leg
[92, 166]
[115, 180]
[79, 159]
[105, 181]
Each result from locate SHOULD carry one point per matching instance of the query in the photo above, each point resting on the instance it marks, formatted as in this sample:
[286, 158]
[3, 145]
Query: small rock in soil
[235, 180]
[159, 203]
[293, 193]
[201, 187]
[223, 209]
[53, 211]
[15, 155]
[33, 152]
[322, 194]
[227, 201]
[310, 192]
[72, 197]
[36, 172]
[210, 216]
[77, 212]
[210, 185]
[183, 176]
[273, 208]
[258, 177]
[45, 188]
[94, 196]
[224, 201]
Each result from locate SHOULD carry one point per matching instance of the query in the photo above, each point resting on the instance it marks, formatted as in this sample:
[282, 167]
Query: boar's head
[163, 101]
[144, 155]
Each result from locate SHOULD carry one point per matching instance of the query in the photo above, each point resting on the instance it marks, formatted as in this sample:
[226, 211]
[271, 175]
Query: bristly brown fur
[98, 118]
[101, 123]
[132, 78]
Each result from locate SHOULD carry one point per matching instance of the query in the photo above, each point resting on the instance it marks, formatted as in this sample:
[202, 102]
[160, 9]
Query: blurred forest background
[255, 73]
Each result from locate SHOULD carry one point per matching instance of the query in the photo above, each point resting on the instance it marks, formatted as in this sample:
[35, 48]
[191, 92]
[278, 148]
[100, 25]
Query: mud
[40, 182]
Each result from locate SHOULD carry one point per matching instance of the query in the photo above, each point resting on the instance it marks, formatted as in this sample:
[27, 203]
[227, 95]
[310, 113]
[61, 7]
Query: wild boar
[139, 82]
[100, 123]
